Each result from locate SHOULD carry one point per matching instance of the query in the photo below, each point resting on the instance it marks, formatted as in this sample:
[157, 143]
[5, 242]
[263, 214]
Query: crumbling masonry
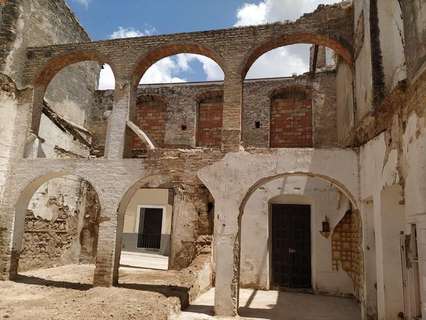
[348, 141]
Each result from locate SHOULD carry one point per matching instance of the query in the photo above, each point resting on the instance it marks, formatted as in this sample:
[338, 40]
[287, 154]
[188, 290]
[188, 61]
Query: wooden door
[291, 246]
[150, 223]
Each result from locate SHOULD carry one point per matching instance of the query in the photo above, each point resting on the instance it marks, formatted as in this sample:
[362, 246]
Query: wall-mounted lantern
[325, 232]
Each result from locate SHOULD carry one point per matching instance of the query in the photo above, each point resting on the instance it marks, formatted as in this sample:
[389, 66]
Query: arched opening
[164, 224]
[323, 66]
[176, 74]
[69, 116]
[56, 230]
[300, 234]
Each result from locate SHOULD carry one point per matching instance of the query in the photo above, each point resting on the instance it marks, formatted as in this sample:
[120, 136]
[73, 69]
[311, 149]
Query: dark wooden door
[291, 246]
[150, 222]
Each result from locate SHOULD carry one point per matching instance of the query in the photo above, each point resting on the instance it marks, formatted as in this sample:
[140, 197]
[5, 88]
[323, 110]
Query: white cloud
[122, 32]
[251, 14]
[84, 3]
[283, 61]
[164, 71]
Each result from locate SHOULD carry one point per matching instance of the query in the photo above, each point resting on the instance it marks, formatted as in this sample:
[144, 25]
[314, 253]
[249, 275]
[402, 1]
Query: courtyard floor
[274, 305]
[147, 292]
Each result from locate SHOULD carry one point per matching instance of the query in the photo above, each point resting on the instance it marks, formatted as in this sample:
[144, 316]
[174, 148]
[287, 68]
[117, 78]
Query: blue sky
[106, 19]
[102, 17]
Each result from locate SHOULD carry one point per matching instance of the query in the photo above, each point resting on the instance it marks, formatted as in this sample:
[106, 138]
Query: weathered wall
[362, 56]
[392, 42]
[345, 103]
[54, 223]
[414, 17]
[325, 201]
[183, 109]
[209, 121]
[291, 119]
[34, 23]
[151, 117]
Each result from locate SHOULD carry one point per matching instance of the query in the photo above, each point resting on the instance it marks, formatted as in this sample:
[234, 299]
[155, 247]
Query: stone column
[37, 108]
[227, 246]
[232, 110]
[11, 227]
[105, 259]
[116, 133]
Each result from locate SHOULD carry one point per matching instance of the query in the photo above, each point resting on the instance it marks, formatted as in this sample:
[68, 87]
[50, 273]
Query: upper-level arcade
[234, 50]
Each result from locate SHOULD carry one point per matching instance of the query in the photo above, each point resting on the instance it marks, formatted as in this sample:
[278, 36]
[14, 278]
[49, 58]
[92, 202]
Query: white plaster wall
[345, 101]
[363, 70]
[8, 110]
[391, 42]
[154, 197]
[370, 272]
[414, 165]
[325, 200]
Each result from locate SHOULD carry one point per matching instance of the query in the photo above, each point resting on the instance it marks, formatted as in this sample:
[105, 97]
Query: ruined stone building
[314, 182]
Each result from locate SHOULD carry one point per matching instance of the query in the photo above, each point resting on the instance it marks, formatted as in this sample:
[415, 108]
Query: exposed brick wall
[183, 101]
[347, 250]
[291, 119]
[151, 116]
[209, 125]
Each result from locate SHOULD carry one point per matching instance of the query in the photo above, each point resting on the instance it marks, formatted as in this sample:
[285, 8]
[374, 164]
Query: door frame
[302, 201]
[138, 210]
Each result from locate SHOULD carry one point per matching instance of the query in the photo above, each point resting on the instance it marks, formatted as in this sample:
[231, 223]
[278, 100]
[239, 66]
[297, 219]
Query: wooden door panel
[291, 246]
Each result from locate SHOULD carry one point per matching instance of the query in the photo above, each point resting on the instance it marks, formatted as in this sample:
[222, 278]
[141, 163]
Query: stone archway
[233, 179]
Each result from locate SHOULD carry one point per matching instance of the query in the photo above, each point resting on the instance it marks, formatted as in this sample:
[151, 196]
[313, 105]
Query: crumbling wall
[60, 227]
[151, 113]
[347, 249]
[183, 101]
[362, 57]
[414, 18]
[345, 112]
[36, 23]
[209, 123]
[193, 212]
[391, 43]
[291, 118]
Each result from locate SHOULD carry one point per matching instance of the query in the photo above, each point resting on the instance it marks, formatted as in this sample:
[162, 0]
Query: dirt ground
[65, 293]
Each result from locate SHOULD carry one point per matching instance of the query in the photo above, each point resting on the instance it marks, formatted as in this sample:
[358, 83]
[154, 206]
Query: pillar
[12, 211]
[227, 248]
[389, 223]
[116, 132]
[105, 273]
[232, 110]
[370, 272]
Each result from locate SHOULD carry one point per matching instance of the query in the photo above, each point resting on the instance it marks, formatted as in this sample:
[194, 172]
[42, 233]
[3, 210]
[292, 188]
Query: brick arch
[57, 63]
[24, 195]
[154, 55]
[339, 46]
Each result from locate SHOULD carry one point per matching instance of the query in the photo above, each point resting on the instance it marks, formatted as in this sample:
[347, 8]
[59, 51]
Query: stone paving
[274, 305]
